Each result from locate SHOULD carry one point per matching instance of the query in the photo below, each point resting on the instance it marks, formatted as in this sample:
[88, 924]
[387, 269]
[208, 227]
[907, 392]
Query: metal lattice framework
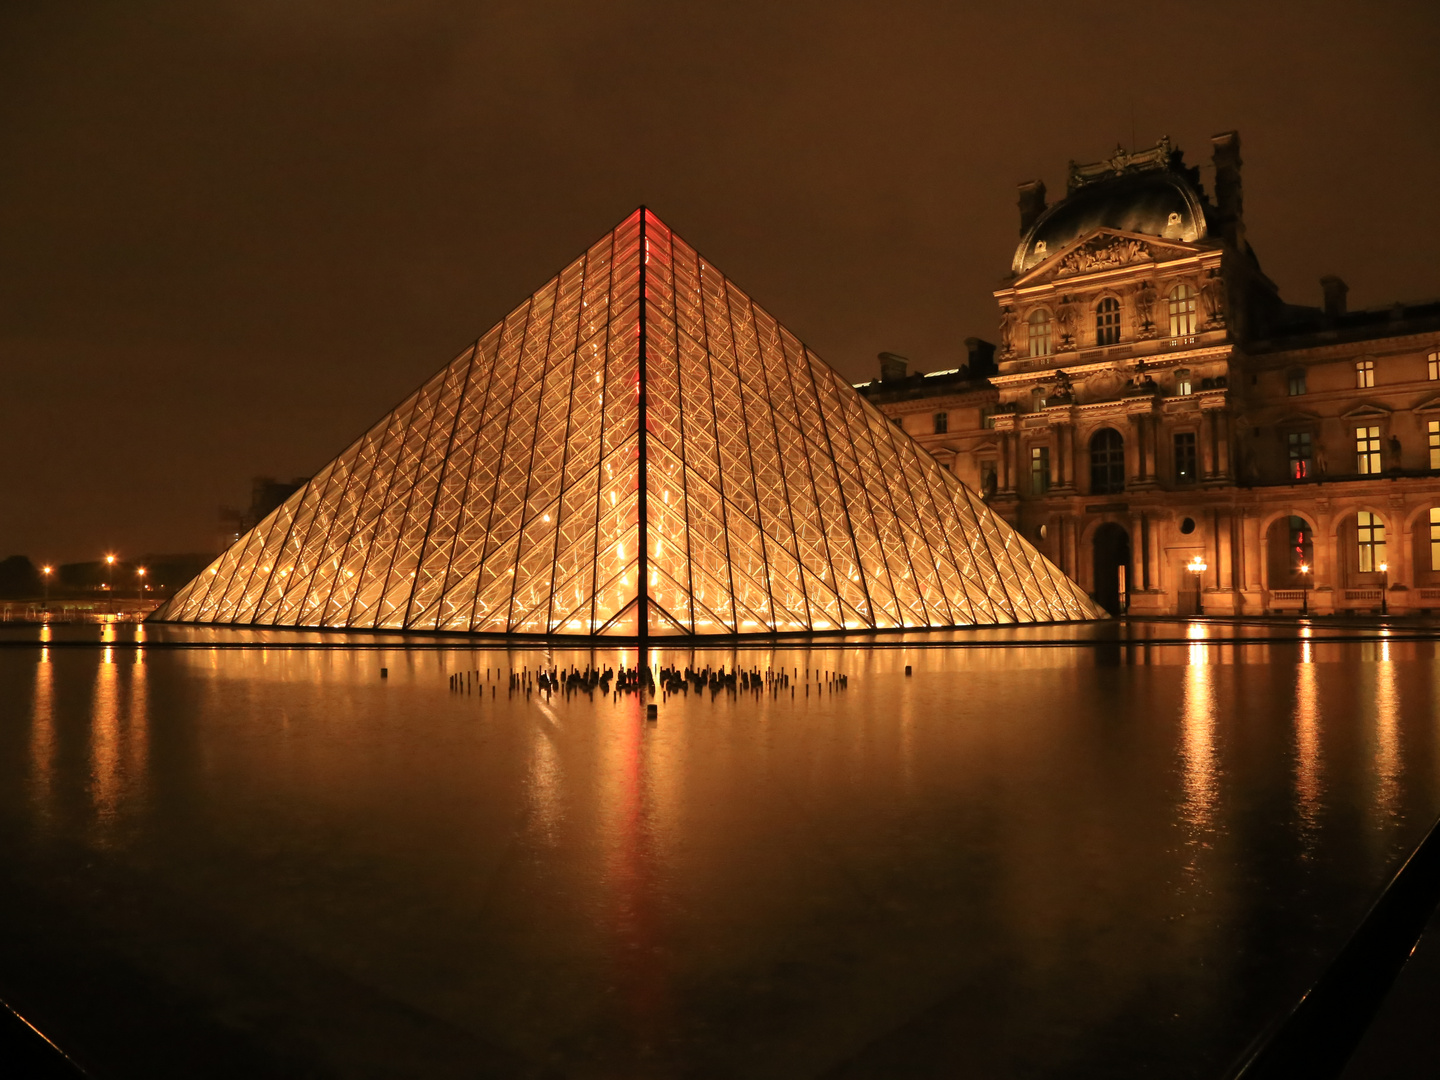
[505, 495]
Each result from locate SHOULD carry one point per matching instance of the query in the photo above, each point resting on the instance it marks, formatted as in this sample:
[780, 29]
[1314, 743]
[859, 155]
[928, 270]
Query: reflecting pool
[1100, 851]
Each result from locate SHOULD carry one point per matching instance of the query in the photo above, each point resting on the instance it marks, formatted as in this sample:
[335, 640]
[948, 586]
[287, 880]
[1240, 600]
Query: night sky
[232, 235]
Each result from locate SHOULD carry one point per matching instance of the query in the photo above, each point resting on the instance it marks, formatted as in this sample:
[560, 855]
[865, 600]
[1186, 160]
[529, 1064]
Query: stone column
[1072, 548]
[1254, 551]
[1222, 442]
[1139, 555]
[1224, 554]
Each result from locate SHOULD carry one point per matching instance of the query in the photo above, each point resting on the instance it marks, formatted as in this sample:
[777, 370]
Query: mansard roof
[1150, 193]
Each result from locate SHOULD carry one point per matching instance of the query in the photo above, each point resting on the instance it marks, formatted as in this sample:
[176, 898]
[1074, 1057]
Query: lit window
[1297, 382]
[1037, 398]
[1432, 366]
[1107, 462]
[1185, 457]
[1433, 430]
[1364, 374]
[1299, 454]
[1435, 538]
[1040, 333]
[1370, 535]
[1182, 382]
[1039, 469]
[1367, 451]
[1107, 321]
[1182, 311]
[942, 423]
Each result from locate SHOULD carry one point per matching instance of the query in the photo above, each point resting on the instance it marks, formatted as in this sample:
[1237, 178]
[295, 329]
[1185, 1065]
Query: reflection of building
[636, 450]
[1156, 401]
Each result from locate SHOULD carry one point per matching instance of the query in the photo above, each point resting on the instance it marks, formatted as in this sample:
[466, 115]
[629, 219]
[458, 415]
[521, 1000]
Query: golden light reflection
[546, 780]
[42, 738]
[105, 766]
[1309, 784]
[1387, 735]
[1198, 753]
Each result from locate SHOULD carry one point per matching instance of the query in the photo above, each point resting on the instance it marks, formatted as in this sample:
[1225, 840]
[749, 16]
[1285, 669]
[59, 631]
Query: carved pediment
[1366, 409]
[1297, 419]
[1102, 253]
[1428, 406]
[1104, 249]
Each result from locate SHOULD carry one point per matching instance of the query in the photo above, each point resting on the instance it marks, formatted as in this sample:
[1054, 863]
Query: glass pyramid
[505, 496]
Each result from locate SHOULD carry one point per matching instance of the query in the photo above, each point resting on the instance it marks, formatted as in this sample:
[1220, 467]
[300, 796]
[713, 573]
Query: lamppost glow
[1198, 566]
[1304, 570]
[45, 572]
[139, 583]
[1384, 588]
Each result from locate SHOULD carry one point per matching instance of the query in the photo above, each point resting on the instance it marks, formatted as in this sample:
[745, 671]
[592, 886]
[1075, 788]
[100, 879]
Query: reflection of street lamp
[45, 572]
[1304, 570]
[1384, 587]
[1197, 566]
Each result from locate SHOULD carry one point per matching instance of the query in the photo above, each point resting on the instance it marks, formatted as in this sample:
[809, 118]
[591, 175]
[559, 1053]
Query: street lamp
[139, 582]
[1384, 587]
[109, 571]
[1304, 569]
[45, 572]
[1197, 566]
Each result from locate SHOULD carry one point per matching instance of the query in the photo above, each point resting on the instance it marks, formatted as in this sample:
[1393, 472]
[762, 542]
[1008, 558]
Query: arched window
[1040, 333]
[1107, 321]
[1107, 462]
[1182, 311]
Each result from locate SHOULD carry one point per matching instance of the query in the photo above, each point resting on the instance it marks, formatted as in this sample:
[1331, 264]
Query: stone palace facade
[1171, 432]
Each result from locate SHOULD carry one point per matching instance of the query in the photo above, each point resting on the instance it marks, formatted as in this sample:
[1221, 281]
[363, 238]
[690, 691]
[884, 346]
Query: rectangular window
[1364, 374]
[1297, 383]
[1182, 381]
[1432, 366]
[1432, 428]
[1299, 454]
[1435, 538]
[942, 423]
[898, 421]
[1039, 470]
[1370, 533]
[1185, 457]
[1367, 451]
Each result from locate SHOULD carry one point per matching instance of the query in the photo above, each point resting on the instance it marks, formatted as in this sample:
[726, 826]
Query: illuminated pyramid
[505, 495]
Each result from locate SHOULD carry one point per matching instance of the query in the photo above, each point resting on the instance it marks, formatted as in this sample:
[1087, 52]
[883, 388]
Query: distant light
[47, 569]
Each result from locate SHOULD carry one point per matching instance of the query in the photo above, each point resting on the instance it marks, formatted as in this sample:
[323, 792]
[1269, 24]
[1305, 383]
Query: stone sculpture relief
[1102, 255]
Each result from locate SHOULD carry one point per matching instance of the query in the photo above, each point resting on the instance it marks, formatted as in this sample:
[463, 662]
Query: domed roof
[1156, 202]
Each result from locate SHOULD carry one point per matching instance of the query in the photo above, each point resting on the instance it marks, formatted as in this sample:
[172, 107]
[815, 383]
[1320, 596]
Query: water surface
[1051, 859]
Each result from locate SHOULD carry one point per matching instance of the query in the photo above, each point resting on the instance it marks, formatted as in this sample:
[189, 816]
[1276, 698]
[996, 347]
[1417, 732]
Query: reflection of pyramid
[504, 495]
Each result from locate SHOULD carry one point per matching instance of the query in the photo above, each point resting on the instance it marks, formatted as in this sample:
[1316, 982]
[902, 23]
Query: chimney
[1229, 195]
[893, 367]
[981, 360]
[1032, 203]
[1334, 290]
